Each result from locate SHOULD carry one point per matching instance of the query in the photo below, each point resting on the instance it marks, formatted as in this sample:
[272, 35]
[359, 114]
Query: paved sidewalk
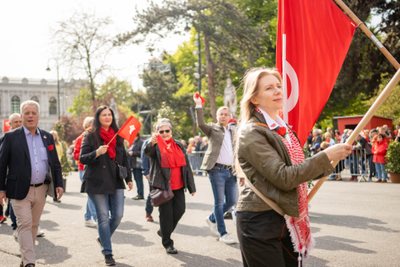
[354, 224]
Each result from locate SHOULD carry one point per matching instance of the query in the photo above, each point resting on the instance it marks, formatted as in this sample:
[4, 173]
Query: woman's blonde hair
[250, 86]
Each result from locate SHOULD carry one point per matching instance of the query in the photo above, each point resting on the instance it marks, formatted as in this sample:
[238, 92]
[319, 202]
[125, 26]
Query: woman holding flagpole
[170, 168]
[102, 151]
[272, 212]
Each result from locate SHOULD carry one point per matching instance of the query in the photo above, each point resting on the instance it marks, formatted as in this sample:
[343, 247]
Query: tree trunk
[91, 82]
[210, 77]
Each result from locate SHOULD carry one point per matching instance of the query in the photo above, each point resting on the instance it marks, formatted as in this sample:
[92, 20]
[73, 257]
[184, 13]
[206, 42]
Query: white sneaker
[39, 233]
[212, 226]
[227, 239]
[90, 224]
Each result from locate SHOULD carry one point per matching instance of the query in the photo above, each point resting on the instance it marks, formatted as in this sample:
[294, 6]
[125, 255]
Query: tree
[120, 91]
[82, 105]
[84, 45]
[160, 83]
[228, 36]
[390, 108]
[68, 128]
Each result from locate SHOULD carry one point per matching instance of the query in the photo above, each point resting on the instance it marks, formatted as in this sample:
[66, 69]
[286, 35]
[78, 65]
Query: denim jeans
[225, 191]
[137, 174]
[380, 171]
[90, 208]
[110, 209]
[148, 208]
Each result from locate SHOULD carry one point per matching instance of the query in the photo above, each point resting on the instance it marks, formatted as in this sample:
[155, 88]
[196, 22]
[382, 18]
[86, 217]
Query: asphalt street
[354, 224]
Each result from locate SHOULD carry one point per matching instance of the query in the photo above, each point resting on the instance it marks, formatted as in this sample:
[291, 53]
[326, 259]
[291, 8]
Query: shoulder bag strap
[269, 202]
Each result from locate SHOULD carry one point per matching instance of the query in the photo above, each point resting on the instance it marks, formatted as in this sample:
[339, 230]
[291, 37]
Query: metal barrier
[195, 160]
[358, 166]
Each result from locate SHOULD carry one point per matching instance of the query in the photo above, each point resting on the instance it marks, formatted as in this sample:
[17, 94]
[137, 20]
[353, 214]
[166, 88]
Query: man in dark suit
[28, 164]
[15, 121]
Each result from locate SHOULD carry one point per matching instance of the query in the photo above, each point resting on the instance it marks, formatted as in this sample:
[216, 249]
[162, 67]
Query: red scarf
[106, 136]
[299, 227]
[171, 154]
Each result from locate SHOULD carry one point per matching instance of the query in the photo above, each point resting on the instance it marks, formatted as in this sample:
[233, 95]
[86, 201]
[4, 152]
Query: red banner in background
[312, 42]
[6, 125]
[130, 129]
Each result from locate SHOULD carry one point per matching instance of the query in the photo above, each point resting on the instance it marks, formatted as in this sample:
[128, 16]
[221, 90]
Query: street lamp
[58, 88]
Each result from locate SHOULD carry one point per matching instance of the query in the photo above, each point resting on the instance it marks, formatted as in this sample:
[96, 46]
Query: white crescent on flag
[132, 128]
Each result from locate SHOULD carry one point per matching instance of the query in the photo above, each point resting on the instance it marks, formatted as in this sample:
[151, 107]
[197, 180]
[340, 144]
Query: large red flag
[6, 125]
[313, 39]
[130, 129]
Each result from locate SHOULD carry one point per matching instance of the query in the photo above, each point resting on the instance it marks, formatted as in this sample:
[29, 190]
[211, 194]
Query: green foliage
[360, 75]
[82, 103]
[232, 41]
[390, 108]
[66, 167]
[120, 91]
[393, 158]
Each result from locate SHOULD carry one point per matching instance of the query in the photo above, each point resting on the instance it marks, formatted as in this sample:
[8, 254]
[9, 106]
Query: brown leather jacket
[265, 161]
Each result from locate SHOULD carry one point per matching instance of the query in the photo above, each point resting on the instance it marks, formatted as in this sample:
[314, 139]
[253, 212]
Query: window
[15, 103]
[52, 106]
[35, 98]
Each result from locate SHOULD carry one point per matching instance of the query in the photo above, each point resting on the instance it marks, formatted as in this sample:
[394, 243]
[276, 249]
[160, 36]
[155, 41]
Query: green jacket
[264, 159]
[215, 133]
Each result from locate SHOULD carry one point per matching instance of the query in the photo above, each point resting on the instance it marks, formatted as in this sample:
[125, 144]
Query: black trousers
[170, 214]
[265, 240]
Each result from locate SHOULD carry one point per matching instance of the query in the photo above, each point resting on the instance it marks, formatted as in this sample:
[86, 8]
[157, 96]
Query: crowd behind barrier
[195, 159]
[356, 167]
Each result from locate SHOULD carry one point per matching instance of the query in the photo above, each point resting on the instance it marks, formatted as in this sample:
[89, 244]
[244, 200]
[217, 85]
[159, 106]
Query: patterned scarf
[299, 227]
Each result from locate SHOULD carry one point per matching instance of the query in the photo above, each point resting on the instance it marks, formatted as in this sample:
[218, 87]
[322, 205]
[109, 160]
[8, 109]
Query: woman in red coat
[379, 149]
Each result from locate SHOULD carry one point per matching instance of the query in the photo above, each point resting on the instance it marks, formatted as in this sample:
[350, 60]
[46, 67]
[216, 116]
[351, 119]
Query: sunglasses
[164, 131]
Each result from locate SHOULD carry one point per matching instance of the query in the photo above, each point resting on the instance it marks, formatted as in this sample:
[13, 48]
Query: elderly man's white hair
[29, 103]
[13, 116]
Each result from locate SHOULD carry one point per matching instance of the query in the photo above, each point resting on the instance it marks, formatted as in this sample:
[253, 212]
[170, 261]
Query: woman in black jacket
[101, 153]
[169, 168]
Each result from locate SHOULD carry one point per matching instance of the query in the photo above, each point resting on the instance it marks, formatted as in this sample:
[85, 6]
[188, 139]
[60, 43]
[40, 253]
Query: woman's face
[165, 132]
[105, 118]
[269, 95]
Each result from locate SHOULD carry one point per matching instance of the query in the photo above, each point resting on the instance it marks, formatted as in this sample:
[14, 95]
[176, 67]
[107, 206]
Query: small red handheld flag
[130, 129]
[197, 95]
[6, 125]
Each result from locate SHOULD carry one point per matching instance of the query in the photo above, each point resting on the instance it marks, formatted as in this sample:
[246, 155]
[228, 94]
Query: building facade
[54, 101]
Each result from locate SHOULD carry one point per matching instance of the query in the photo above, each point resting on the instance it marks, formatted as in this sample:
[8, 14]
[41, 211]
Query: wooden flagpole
[115, 135]
[381, 98]
[367, 32]
[367, 117]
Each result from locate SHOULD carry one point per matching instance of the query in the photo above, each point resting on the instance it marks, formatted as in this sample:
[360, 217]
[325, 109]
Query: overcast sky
[26, 28]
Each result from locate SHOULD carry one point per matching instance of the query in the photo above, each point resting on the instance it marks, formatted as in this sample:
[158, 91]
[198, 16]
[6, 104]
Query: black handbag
[122, 172]
[159, 196]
